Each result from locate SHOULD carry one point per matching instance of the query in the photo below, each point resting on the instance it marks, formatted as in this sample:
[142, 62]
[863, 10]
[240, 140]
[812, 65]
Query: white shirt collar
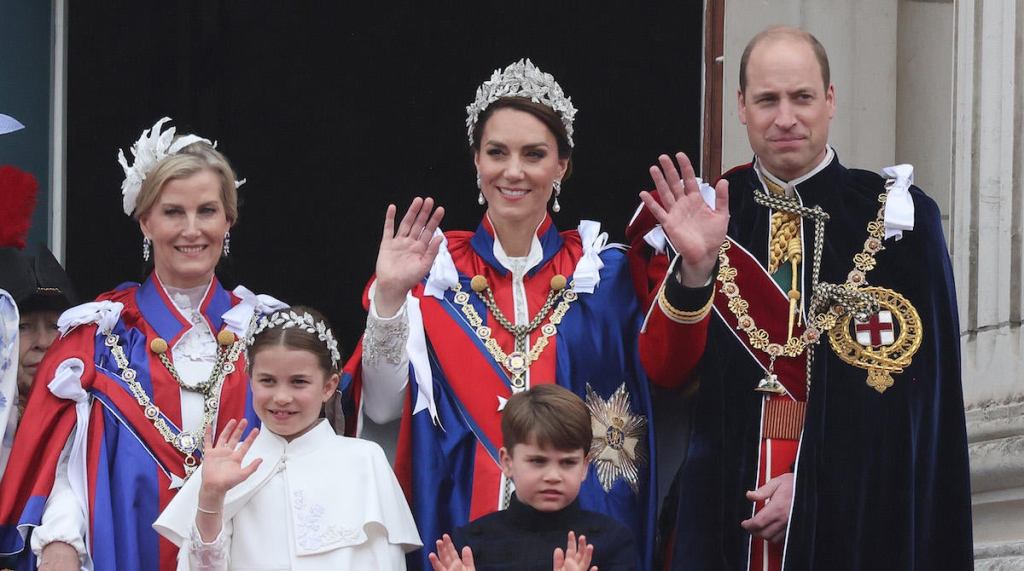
[789, 186]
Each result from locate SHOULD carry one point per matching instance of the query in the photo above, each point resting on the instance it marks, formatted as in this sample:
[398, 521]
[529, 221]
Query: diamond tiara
[522, 79]
[287, 318]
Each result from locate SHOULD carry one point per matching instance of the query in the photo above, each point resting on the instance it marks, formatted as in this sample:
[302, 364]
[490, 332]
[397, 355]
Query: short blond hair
[188, 161]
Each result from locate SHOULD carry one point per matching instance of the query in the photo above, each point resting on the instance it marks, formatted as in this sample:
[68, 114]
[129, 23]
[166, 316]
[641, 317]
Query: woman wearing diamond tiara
[264, 501]
[460, 321]
[137, 377]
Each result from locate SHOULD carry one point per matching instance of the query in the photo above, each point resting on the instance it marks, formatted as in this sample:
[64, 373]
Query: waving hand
[695, 230]
[406, 253]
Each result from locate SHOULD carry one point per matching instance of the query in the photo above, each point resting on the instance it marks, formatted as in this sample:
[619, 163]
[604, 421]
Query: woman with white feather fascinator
[137, 376]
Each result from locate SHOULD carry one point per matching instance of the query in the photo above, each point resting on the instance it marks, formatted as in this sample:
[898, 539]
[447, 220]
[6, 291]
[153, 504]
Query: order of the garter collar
[522, 79]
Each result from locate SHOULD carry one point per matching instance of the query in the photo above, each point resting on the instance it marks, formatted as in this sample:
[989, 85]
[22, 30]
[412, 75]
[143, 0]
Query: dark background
[331, 111]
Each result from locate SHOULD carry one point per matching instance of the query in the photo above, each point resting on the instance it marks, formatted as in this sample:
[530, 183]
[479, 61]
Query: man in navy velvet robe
[860, 463]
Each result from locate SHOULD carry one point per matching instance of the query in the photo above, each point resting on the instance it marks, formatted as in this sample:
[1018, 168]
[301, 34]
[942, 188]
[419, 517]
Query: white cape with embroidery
[321, 501]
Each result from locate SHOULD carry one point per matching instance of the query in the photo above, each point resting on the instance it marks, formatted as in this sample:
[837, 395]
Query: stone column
[987, 222]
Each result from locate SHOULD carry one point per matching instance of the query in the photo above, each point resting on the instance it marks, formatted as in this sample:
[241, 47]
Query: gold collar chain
[828, 303]
[224, 340]
[185, 441]
[518, 362]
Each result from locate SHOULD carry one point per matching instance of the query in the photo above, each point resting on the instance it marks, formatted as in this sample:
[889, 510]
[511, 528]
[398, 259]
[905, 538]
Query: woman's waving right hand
[406, 253]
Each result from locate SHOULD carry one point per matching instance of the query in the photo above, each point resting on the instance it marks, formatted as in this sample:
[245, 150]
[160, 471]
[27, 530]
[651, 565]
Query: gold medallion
[884, 343]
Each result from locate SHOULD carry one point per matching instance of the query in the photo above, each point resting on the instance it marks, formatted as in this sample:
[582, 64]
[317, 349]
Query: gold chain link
[829, 302]
[186, 441]
[520, 360]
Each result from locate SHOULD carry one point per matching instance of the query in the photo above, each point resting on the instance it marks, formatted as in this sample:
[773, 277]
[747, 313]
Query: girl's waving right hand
[222, 463]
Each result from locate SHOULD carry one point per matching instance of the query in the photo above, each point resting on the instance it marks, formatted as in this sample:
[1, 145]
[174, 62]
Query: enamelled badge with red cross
[877, 330]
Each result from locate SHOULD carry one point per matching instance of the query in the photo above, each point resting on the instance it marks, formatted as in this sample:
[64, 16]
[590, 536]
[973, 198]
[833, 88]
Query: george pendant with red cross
[876, 331]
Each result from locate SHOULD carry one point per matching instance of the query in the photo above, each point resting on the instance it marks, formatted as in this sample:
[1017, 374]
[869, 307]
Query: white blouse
[321, 501]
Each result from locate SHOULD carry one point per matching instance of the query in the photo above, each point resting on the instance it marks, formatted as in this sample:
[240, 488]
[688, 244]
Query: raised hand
[695, 230]
[447, 557]
[771, 521]
[406, 253]
[576, 557]
[222, 463]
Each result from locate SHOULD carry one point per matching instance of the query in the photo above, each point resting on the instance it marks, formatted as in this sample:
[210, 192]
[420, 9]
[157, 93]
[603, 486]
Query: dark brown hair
[295, 338]
[547, 416]
[551, 119]
[779, 32]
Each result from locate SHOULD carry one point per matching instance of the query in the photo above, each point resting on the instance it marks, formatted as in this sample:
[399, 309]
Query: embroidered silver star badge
[619, 446]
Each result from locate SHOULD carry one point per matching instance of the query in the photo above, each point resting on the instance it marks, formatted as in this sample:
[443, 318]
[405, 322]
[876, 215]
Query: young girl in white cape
[294, 495]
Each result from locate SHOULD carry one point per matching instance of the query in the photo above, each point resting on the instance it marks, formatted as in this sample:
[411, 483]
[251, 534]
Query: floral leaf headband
[522, 79]
[152, 147]
[287, 318]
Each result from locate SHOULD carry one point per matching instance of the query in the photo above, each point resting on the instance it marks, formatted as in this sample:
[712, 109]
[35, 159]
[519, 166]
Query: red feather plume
[17, 199]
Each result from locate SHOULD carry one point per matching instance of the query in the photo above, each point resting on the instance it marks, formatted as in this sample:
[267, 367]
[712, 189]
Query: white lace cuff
[211, 556]
[385, 338]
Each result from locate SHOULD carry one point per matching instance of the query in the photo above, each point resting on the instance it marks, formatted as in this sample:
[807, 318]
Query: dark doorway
[331, 111]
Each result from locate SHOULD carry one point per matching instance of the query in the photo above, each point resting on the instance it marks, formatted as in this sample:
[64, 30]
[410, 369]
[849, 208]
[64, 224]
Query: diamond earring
[227, 243]
[557, 186]
[145, 248]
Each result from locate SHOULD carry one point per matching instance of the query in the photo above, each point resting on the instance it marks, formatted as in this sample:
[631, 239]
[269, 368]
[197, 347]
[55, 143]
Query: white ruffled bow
[899, 206]
[587, 275]
[104, 313]
[238, 318]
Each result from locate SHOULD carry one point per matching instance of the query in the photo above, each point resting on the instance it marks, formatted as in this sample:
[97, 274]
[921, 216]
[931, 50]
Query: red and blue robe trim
[130, 466]
[450, 471]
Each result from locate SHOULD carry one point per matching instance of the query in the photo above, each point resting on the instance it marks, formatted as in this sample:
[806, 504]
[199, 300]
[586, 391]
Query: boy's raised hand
[447, 557]
[576, 557]
[222, 463]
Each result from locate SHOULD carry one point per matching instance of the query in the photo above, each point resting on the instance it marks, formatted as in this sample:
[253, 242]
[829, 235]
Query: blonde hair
[183, 164]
